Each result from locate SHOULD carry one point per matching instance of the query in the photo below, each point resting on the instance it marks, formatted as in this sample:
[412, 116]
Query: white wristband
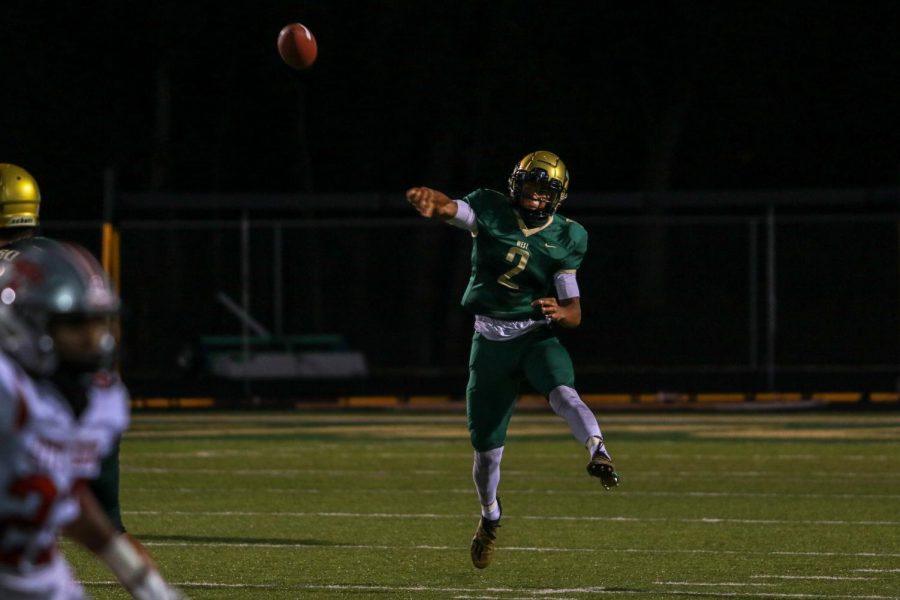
[465, 217]
[566, 285]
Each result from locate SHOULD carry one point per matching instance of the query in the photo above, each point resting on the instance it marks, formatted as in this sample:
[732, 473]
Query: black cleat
[602, 467]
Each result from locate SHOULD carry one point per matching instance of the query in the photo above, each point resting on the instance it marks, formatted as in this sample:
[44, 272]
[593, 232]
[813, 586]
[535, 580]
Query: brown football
[297, 46]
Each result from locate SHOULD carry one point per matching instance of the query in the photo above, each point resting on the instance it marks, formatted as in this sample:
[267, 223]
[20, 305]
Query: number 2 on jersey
[518, 267]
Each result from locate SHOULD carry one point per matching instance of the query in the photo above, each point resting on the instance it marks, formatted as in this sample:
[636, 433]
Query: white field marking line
[697, 494]
[338, 514]
[277, 472]
[203, 454]
[760, 457]
[637, 476]
[522, 417]
[823, 577]
[257, 490]
[480, 591]
[365, 588]
[711, 520]
[479, 597]
[862, 554]
[744, 594]
[742, 458]
[760, 553]
[714, 584]
[742, 474]
[370, 588]
[295, 546]
[876, 570]
[382, 453]
[414, 452]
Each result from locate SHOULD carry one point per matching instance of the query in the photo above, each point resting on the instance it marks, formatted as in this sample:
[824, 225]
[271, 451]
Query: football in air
[297, 46]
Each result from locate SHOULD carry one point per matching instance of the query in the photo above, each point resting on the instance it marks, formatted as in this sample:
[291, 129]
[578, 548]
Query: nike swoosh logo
[549, 245]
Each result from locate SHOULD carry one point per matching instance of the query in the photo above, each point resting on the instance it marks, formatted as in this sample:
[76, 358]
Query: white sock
[594, 443]
[566, 403]
[486, 475]
[491, 512]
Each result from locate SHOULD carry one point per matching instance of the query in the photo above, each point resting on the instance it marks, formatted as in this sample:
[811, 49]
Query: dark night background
[677, 99]
[191, 96]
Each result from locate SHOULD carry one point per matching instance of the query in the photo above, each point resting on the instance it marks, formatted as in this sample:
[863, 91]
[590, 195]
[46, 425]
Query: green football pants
[496, 373]
[106, 487]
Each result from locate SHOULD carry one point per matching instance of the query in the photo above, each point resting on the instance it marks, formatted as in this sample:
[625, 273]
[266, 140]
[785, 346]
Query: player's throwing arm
[431, 203]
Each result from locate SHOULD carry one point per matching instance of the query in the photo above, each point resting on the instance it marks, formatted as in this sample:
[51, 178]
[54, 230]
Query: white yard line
[876, 570]
[635, 476]
[540, 492]
[295, 546]
[532, 592]
[714, 584]
[587, 518]
[822, 577]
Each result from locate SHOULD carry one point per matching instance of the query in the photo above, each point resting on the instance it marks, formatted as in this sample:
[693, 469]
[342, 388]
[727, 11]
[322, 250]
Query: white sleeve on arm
[566, 285]
[465, 216]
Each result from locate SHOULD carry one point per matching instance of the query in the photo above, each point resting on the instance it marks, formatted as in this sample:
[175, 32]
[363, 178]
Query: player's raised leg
[549, 368]
[566, 402]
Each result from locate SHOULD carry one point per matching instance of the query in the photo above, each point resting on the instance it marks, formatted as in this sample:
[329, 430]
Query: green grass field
[381, 505]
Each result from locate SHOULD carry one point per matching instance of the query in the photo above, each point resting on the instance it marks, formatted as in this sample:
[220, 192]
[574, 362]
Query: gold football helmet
[550, 173]
[20, 197]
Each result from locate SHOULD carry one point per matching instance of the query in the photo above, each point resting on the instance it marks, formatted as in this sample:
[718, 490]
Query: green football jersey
[512, 265]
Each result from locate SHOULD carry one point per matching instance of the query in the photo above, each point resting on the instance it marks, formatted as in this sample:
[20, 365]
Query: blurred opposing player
[55, 306]
[20, 206]
[524, 260]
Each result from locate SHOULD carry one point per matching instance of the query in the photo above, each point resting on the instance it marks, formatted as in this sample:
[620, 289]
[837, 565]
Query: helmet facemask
[82, 342]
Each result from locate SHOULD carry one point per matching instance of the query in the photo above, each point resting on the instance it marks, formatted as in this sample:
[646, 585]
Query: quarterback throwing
[525, 258]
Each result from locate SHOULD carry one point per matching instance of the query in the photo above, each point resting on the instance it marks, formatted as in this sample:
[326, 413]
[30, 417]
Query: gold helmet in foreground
[549, 172]
[20, 197]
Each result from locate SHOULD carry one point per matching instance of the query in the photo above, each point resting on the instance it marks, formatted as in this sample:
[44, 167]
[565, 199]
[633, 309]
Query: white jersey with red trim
[45, 454]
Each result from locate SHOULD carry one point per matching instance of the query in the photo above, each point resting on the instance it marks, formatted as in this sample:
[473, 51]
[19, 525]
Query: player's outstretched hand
[137, 573]
[152, 587]
[431, 203]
